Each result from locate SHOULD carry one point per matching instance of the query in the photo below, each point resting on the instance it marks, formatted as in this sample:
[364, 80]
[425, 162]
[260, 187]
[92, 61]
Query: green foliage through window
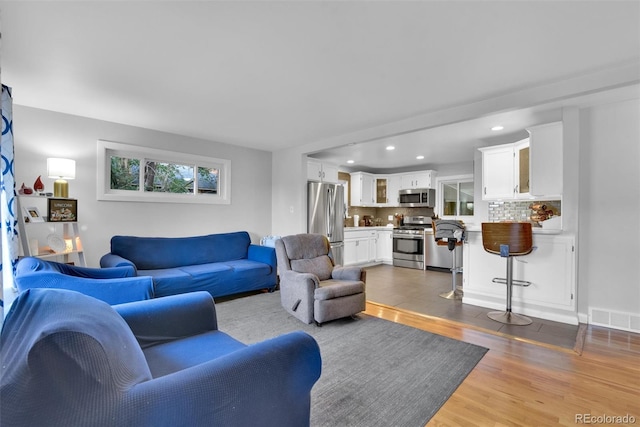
[129, 172]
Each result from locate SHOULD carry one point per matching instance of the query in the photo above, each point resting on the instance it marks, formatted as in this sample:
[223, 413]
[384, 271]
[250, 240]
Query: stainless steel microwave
[418, 198]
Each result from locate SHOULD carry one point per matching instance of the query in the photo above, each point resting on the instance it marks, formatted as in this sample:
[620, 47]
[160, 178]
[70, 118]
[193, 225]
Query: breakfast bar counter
[550, 267]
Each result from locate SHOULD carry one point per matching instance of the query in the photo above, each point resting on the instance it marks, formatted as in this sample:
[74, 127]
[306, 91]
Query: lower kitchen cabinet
[384, 246]
[367, 246]
[550, 268]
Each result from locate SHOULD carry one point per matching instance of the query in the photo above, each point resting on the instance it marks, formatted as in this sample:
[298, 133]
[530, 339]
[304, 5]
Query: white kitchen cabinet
[323, 172]
[381, 185]
[384, 246]
[505, 171]
[356, 250]
[546, 159]
[350, 251]
[421, 179]
[521, 175]
[531, 168]
[360, 246]
[362, 189]
[550, 268]
[497, 172]
[394, 184]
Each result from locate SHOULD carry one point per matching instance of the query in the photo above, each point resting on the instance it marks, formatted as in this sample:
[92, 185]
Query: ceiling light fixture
[419, 157]
[390, 147]
[350, 161]
[497, 128]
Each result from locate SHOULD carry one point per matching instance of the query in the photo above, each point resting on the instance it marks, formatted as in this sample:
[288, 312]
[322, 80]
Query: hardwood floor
[518, 383]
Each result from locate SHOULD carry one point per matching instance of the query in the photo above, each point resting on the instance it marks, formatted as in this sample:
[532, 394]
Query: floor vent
[614, 319]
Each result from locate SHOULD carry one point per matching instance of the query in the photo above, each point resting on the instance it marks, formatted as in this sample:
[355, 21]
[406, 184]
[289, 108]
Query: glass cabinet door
[381, 190]
[523, 170]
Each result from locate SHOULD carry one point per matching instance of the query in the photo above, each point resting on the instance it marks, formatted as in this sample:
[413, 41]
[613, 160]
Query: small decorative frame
[62, 210]
[32, 214]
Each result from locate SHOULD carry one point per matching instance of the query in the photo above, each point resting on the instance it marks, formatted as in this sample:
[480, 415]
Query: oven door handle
[409, 236]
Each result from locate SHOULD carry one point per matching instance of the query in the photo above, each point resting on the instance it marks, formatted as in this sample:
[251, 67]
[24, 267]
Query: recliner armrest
[171, 317]
[299, 279]
[348, 273]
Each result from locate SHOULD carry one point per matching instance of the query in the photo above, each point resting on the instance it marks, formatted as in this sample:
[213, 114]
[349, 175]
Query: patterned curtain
[8, 218]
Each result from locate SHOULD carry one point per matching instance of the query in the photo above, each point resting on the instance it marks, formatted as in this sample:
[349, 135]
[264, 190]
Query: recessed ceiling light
[419, 157]
[350, 161]
[390, 147]
[496, 128]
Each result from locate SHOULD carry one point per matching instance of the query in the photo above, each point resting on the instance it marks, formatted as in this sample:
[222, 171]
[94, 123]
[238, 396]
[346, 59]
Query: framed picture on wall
[32, 214]
[62, 210]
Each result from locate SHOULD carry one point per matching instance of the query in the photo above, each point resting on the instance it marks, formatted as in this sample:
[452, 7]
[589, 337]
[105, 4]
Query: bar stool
[455, 233]
[508, 239]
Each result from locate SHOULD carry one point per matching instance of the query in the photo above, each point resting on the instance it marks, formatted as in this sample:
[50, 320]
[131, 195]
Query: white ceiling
[272, 75]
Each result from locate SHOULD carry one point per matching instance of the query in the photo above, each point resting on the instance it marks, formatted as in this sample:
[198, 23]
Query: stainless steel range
[409, 242]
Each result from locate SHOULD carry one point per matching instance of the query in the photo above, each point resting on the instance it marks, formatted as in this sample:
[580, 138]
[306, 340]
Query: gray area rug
[374, 372]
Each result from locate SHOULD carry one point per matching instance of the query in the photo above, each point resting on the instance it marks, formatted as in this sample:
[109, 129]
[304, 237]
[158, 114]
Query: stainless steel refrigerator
[325, 215]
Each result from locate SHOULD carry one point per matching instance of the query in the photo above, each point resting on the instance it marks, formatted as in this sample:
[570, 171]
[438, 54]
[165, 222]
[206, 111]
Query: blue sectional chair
[115, 285]
[221, 264]
[72, 360]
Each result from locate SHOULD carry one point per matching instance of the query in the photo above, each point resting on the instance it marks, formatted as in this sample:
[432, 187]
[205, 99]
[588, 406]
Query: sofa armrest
[112, 291]
[268, 384]
[264, 254]
[112, 260]
[348, 273]
[171, 317]
[31, 264]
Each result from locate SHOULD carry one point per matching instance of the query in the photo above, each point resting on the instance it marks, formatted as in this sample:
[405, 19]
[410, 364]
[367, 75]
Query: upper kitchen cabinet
[362, 189]
[394, 184]
[322, 172]
[521, 172]
[382, 190]
[497, 172]
[422, 179]
[546, 159]
[531, 168]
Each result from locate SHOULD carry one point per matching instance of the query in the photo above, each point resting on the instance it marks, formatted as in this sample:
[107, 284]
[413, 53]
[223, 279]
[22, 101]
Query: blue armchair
[72, 360]
[114, 285]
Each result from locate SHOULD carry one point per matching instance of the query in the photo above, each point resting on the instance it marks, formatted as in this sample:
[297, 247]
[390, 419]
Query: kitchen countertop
[376, 227]
[535, 230]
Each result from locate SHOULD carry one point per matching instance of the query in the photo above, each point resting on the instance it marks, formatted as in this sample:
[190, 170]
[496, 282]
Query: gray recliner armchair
[312, 287]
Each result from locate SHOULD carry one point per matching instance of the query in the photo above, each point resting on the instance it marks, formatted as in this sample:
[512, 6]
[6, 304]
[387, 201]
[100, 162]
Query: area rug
[374, 372]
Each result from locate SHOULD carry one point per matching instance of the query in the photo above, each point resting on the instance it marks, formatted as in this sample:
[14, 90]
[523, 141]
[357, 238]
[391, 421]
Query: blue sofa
[72, 360]
[115, 285]
[221, 264]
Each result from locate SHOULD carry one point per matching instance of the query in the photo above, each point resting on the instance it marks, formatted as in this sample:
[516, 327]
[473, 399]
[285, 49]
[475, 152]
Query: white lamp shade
[61, 168]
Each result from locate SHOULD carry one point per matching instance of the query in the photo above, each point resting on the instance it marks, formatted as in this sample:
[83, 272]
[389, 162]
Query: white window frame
[440, 199]
[106, 149]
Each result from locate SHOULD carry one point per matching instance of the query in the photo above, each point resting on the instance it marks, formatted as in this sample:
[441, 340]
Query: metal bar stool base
[509, 318]
[457, 294]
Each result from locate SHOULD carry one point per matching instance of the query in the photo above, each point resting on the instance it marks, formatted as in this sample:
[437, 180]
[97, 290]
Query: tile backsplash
[520, 210]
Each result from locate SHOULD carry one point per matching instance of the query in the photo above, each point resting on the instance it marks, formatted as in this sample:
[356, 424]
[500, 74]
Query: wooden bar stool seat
[508, 239]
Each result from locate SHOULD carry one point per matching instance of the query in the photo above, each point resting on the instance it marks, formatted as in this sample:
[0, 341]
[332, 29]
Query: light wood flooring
[522, 383]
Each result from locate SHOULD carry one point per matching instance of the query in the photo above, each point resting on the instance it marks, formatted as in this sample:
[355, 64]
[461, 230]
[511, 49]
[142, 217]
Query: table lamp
[61, 170]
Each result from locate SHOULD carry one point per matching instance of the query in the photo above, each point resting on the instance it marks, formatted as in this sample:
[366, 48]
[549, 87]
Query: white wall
[40, 134]
[609, 248]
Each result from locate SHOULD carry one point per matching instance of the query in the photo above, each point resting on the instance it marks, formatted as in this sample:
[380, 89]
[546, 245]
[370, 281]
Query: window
[129, 172]
[456, 196]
